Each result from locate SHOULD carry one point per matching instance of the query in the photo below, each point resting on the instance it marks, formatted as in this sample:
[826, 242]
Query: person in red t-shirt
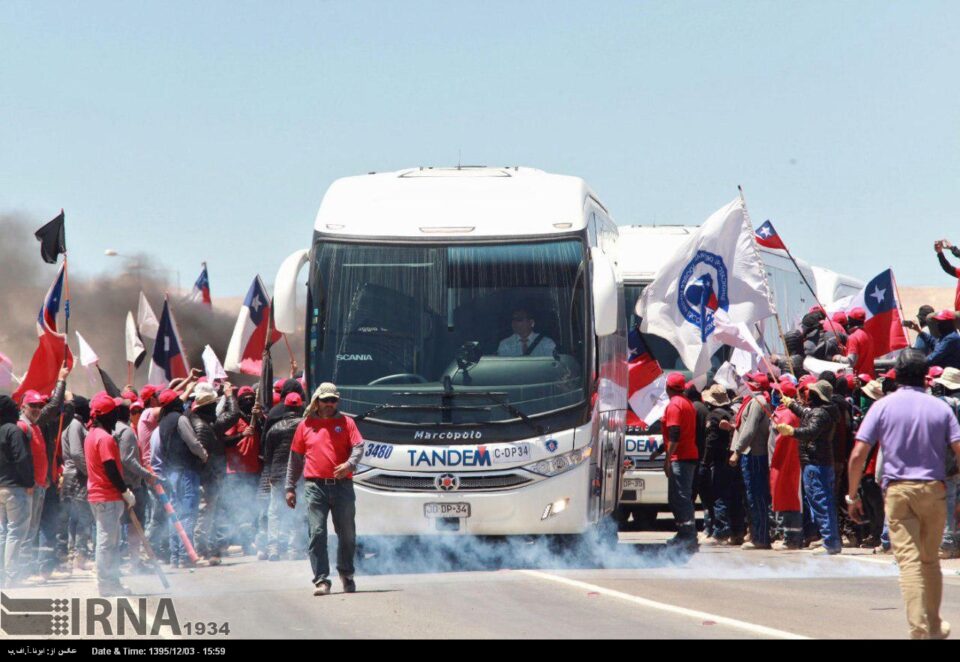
[859, 344]
[326, 449]
[679, 425]
[106, 491]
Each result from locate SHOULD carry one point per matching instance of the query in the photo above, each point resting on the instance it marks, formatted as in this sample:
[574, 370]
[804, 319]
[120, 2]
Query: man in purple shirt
[915, 431]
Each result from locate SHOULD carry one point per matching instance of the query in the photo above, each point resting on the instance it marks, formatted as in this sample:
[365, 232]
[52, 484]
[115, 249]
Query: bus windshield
[450, 334]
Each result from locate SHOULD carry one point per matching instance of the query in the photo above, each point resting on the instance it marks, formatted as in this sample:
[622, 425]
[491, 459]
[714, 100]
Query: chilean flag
[245, 352]
[767, 236]
[169, 361]
[52, 349]
[647, 384]
[201, 289]
[883, 322]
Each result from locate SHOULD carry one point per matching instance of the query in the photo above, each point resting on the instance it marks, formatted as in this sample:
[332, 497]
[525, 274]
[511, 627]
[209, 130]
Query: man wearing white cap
[326, 449]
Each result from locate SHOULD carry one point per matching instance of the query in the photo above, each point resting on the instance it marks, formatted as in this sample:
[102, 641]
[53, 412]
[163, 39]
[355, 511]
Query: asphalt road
[523, 589]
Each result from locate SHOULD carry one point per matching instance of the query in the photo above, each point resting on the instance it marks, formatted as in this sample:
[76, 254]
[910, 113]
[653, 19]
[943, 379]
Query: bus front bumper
[519, 511]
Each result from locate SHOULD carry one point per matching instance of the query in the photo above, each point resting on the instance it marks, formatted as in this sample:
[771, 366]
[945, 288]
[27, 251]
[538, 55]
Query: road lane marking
[662, 606]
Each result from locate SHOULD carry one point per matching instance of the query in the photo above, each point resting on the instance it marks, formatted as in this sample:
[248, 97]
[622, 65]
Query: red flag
[52, 348]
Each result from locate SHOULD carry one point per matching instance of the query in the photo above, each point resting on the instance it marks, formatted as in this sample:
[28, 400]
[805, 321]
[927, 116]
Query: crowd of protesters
[192, 466]
[770, 462]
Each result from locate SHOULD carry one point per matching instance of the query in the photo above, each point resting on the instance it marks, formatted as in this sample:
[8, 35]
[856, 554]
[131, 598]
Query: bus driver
[524, 341]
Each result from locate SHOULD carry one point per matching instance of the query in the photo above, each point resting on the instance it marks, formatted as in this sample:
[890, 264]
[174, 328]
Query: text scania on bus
[473, 321]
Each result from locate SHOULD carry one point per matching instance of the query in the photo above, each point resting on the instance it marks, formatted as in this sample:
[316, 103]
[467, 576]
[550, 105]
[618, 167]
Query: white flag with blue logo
[719, 268]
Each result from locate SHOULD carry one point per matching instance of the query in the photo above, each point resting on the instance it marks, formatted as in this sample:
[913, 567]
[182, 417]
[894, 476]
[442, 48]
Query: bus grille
[468, 483]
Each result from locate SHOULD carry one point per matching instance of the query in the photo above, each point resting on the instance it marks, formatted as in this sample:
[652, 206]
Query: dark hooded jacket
[16, 462]
[278, 411]
[815, 434]
[211, 430]
[276, 447]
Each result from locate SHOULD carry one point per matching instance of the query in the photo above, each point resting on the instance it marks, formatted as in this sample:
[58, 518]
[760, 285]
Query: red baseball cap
[945, 316]
[864, 378]
[278, 385]
[839, 317]
[934, 371]
[167, 396]
[788, 389]
[148, 391]
[806, 380]
[851, 381]
[276, 398]
[817, 309]
[245, 390]
[758, 379]
[857, 314]
[32, 397]
[130, 395]
[677, 381]
[102, 404]
[293, 400]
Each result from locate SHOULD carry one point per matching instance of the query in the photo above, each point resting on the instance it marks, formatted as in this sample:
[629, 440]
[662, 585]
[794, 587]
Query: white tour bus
[418, 283]
[643, 250]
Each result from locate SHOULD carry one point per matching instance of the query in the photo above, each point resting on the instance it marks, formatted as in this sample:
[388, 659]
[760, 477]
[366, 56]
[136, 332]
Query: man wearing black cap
[926, 340]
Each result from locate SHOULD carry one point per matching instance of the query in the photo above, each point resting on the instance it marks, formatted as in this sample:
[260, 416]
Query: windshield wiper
[498, 398]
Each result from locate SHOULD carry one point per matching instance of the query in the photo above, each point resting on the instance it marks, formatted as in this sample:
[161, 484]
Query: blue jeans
[818, 491]
[107, 515]
[756, 480]
[950, 540]
[339, 500]
[727, 501]
[14, 522]
[186, 504]
[680, 497]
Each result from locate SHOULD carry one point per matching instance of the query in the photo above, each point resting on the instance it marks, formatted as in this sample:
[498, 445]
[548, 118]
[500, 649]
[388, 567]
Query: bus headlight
[559, 464]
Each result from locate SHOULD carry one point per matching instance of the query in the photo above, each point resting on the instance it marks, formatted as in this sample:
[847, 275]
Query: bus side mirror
[285, 292]
[604, 294]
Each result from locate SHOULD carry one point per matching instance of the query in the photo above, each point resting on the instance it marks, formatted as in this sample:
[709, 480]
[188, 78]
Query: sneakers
[349, 586]
[826, 551]
[752, 545]
[262, 556]
[882, 550]
[323, 588]
[948, 553]
[783, 545]
[944, 631]
[111, 591]
[712, 542]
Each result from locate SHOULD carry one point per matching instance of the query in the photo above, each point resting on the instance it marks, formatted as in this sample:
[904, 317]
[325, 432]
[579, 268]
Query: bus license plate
[433, 510]
[634, 483]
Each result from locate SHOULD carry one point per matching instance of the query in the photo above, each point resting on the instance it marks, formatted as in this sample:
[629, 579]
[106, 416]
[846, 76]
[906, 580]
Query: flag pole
[900, 306]
[776, 315]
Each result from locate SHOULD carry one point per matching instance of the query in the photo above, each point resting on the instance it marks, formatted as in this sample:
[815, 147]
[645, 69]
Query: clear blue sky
[210, 130]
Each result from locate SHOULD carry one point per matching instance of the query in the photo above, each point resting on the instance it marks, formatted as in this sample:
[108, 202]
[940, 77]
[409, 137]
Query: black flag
[108, 385]
[52, 239]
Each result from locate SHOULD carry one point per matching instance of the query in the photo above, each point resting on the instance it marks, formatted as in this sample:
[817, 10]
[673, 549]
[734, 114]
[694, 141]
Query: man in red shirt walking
[106, 491]
[326, 449]
[679, 424]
